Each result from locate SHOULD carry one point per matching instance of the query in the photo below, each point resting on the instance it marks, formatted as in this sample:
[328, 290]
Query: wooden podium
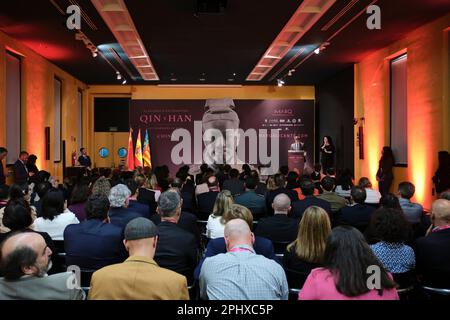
[296, 160]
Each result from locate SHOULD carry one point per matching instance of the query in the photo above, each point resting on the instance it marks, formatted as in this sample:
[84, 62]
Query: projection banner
[257, 132]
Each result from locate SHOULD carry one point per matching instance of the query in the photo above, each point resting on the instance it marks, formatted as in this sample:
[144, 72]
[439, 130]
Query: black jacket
[20, 173]
[176, 249]
[357, 216]
[433, 258]
[188, 222]
[299, 207]
[206, 204]
[278, 228]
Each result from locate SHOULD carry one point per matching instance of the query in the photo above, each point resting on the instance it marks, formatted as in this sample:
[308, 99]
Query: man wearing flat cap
[139, 277]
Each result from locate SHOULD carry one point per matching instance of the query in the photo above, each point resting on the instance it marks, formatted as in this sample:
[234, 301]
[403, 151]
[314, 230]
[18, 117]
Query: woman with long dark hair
[351, 271]
[384, 173]
[327, 151]
[441, 177]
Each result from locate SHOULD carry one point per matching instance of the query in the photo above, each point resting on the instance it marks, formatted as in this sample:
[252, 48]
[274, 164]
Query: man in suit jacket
[3, 154]
[297, 145]
[94, 243]
[359, 214]
[299, 207]
[234, 185]
[206, 200]
[25, 260]
[20, 169]
[139, 277]
[84, 159]
[336, 202]
[119, 213]
[280, 182]
[251, 200]
[279, 227]
[433, 250]
[177, 249]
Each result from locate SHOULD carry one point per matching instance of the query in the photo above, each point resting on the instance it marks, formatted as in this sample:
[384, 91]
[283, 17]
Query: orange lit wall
[428, 105]
[37, 76]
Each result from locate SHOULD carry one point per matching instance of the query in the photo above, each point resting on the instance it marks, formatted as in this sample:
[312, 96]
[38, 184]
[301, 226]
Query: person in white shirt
[216, 224]
[55, 216]
[373, 196]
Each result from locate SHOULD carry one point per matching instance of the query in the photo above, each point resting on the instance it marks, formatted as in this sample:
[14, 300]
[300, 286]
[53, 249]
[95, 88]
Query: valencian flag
[146, 152]
[138, 152]
[130, 153]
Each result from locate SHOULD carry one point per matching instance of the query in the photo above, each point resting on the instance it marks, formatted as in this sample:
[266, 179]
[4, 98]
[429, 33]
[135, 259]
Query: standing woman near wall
[327, 151]
[385, 176]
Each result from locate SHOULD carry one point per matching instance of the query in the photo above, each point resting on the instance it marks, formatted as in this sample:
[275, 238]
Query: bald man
[433, 250]
[241, 274]
[279, 228]
[25, 260]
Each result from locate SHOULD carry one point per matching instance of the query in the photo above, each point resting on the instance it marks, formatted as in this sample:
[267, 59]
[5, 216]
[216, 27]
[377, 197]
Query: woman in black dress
[385, 176]
[327, 154]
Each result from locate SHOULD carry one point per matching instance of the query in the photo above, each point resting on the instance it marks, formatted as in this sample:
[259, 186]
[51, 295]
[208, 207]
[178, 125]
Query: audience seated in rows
[119, 212]
[307, 250]
[25, 261]
[262, 245]
[216, 221]
[279, 227]
[139, 277]
[241, 274]
[299, 207]
[344, 274]
[55, 215]
[251, 199]
[94, 243]
[358, 214]
[413, 211]
[433, 250]
[177, 249]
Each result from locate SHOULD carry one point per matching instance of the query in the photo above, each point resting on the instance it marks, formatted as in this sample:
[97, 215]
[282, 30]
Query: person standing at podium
[84, 159]
[327, 151]
[297, 145]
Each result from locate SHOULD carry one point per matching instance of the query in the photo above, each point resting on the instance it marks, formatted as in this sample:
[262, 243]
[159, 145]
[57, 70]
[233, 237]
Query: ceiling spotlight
[317, 51]
[124, 81]
[119, 76]
[280, 82]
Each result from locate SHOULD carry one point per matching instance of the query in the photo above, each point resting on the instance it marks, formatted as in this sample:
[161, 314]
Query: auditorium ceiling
[178, 42]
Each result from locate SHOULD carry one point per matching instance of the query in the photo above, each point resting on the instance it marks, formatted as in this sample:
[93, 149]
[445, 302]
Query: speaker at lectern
[296, 160]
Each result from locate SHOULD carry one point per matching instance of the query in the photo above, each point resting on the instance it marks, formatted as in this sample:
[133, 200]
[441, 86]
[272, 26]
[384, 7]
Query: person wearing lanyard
[433, 250]
[241, 274]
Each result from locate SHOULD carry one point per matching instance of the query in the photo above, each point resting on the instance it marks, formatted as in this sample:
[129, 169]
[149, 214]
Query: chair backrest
[280, 246]
[295, 279]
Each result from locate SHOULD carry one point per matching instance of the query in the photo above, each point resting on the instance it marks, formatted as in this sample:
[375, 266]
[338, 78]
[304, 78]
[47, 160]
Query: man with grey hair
[25, 260]
[279, 228]
[187, 221]
[119, 213]
[241, 274]
[139, 277]
[177, 248]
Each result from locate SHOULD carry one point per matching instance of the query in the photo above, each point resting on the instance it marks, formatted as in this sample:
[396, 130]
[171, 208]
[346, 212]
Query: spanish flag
[130, 153]
[146, 151]
[138, 152]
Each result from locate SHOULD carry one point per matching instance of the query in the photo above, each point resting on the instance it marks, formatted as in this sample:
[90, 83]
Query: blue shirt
[396, 257]
[242, 275]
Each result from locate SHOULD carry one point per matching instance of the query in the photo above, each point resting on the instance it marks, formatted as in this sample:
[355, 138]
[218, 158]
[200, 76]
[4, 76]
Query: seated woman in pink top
[346, 255]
